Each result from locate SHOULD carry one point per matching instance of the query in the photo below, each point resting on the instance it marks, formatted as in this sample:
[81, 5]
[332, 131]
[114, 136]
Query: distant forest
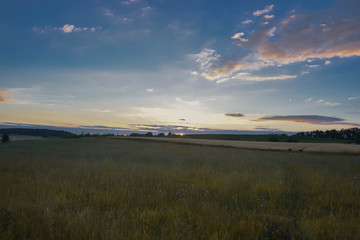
[348, 134]
[36, 132]
[344, 135]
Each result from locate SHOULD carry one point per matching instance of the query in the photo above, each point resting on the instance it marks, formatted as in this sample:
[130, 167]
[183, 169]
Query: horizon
[180, 66]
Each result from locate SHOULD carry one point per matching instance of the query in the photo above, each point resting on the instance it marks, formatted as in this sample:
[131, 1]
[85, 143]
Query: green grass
[99, 188]
[266, 138]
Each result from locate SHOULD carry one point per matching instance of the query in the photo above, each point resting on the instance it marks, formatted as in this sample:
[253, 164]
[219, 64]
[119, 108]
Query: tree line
[348, 134]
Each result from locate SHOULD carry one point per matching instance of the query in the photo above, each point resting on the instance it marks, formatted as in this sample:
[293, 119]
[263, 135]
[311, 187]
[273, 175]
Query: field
[103, 188]
[266, 138]
[272, 146]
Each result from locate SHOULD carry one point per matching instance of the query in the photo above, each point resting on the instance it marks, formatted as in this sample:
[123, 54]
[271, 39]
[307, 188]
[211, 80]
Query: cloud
[302, 36]
[327, 62]
[150, 90]
[3, 93]
[310, 119]
[312, 66]
[267, 129]
[169, 128]
[269, 16]
[67, 28]
[246, 21]
[182, 119]
[304, 72]
[205, 58]
[190, 103]
[237, 115]
[352, 98]
[223, 70]
[267, 9]
[308, 100]
[330, 104]
[238, 36]
[129, 2]
[146, 10]
[271, 32]
[108, 12]
[247, 77]
[3, 99]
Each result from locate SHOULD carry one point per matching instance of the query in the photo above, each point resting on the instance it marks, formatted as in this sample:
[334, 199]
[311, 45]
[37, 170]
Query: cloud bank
[308, 119]
[237, 115]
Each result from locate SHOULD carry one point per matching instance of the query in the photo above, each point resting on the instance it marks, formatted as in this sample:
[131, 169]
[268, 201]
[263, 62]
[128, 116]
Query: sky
[180, 65]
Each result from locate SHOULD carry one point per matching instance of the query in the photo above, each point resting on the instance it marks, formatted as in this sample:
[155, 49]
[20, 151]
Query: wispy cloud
[247, 77]
[3, 94]
[239, 36]
[237, 115]
[303, 37]
[129, 2]
[189, 103]
[150, 90]
[271, 32]
[146, 10]
[330, 104]
[311, 119]
[269, 16]
[223, 70]
[205, 58]
[267, 129]
[300, 37]
[3, 99]
[228, 70]
[66, 29]
[246, 21]
[352, 98]
[312, 66]
[308, 100]
[267, 9]
[108, 12]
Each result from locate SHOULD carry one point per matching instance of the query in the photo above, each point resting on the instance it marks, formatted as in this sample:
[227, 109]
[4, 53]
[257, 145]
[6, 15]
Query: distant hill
[36, 132]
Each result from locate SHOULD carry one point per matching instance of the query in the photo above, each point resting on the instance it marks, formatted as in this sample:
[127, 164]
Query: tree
[5, 138]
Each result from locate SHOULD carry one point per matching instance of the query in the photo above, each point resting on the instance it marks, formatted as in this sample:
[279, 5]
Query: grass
[99, 188]
[266, 138]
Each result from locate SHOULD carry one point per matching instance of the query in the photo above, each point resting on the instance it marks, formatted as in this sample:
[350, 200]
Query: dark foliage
[5, 138]
[349, 134]
[36, 132]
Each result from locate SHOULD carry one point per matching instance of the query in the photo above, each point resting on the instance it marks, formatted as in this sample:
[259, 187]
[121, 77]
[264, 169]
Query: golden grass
[102, 188]
[261, 145]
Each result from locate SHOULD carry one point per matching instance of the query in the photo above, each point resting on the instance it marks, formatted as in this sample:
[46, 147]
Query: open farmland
[272, 146]
[103, 188]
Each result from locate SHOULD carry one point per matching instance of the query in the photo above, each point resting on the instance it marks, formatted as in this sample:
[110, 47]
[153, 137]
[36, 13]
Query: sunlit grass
[102, 188]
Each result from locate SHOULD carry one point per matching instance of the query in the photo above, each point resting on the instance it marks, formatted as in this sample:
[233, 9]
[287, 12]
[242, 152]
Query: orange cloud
[3, 93]
[263, 11]
[301, 37]
[224, 70]
[3, 99]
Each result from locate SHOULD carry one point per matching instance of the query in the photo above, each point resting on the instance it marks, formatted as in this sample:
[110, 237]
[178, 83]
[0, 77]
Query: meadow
[102, 188]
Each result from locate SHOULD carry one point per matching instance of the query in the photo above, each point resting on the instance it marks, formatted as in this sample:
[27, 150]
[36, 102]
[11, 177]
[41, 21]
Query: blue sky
[181, 65]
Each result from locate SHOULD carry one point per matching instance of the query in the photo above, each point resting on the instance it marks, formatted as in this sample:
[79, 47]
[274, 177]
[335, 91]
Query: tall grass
[126, 189]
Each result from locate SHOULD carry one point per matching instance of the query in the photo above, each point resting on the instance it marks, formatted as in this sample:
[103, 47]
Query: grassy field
[266, 138]
[99, 188]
